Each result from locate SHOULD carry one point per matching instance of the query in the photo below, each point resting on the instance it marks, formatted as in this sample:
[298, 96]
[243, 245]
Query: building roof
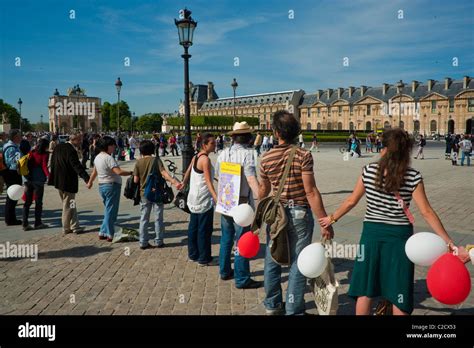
[199, 93]
[253, 99]
[455, 87]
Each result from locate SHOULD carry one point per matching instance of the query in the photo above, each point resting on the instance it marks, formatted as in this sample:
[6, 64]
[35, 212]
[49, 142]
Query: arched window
[329, 126]
[351, 125]
[386, 124]
[416, 126]
[318, 126]
[402, 125]
[368, 126]
[308, 126]
[339, 126]
[433, 126]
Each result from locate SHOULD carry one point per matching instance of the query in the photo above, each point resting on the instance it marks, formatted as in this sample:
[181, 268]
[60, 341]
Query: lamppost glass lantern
[186, 26]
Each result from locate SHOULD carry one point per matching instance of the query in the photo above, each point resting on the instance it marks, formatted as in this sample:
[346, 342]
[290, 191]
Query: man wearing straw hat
[242, 154]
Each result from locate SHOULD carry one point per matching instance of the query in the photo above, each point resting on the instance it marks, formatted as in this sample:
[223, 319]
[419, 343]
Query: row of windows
[251, 101]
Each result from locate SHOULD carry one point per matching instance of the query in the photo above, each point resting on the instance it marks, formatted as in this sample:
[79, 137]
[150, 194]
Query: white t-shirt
[104, 163]
[300, 138]
[133, 142]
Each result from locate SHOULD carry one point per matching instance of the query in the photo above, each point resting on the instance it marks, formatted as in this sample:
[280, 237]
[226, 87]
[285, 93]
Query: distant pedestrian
[421, 145]
[466, 149]
[11, 155]
[314, 143]
[258, 143]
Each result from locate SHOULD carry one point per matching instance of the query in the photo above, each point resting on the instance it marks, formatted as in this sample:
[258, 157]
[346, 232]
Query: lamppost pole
[234, 87]
[19, 107]
[118, 85]
[41, 124]
[186, 26]
[400, 88]
[133, 116]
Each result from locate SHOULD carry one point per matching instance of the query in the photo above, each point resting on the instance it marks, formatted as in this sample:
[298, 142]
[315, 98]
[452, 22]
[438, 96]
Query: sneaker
[251, 284]
[41, 226]
[160, 245]
[101, 237]
[148, 246]
[79, 230]
[228, 277]
[109, 239]
[274, 311]
[67, 231]
[191, 260]
[213, 262]
[28, 228]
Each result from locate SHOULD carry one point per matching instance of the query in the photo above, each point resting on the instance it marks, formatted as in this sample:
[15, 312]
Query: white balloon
[243, 215]
[15, 192]
[312, 260]
[423, 248]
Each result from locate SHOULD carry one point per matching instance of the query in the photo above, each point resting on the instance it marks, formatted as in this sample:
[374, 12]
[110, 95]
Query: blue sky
[275, 52]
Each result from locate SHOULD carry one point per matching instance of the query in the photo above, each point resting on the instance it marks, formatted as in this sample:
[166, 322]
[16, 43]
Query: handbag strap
[405, 208]
[285, 174]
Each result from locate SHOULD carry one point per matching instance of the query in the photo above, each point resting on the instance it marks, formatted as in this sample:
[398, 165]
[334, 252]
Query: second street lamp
[118, 85]
[400, 86]
[19, 107]
[234, 87]
[186, 26]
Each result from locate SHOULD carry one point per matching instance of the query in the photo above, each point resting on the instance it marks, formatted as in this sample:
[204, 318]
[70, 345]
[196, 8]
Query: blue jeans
[110, 194]
[199, 236]
[465, 155]
[145, 210]
[231, 232]
[300, 233]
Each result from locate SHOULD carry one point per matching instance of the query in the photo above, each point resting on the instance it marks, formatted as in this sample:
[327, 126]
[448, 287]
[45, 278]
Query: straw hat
[240, 128]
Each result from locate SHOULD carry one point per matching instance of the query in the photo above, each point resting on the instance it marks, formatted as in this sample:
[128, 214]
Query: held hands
[327, 233]
[325, 222]
[463, 254]
[179, 185]
[89, 185]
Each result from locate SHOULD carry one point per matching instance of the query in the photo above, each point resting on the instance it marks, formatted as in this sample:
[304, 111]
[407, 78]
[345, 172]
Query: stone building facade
[431, 107]
[74, 112]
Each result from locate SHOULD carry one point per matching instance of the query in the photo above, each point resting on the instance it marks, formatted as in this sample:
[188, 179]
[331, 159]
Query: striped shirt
[382, 206]
[272, 167]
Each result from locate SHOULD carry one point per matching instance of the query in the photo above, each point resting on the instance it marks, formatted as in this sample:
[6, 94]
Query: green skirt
[384, 270]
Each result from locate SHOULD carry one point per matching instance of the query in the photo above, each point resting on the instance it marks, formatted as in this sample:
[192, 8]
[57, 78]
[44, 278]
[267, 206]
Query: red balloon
[248, 245]
[448, 280]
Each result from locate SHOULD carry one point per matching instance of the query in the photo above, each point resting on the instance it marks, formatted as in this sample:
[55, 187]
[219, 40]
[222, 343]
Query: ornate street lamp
[400, 86]
[234, 87]
[41, 117]
[186, 26]
[19, 107]
[118, 85]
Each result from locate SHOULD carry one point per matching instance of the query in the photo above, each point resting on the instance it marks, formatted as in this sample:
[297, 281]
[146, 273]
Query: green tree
[12, 114]
[125, 116]
[151, 122]
[105, 111]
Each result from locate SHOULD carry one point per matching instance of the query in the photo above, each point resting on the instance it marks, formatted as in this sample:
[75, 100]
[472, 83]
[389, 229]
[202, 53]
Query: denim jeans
[145, 210]
[465, 155]
[37, 189]
[110, 194]
[230, 232]
[300, 233]
[199, 236]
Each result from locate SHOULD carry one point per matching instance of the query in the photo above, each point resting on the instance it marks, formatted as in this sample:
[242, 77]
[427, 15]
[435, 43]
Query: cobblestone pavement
[78, 274]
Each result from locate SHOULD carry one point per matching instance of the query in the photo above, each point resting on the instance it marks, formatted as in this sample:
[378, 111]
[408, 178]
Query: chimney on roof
[319, 93]
[465, 82]
[329, 90]
[210, 91]
[414, 86]
[340, 90]
[430, 84]
[362, 90]
[447, 82]
[385, 88]
[351, 91]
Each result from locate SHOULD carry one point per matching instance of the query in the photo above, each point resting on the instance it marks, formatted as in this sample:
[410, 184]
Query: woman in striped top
[389, 185]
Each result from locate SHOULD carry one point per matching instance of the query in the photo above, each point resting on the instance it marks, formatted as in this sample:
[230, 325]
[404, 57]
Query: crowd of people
[384, 183]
